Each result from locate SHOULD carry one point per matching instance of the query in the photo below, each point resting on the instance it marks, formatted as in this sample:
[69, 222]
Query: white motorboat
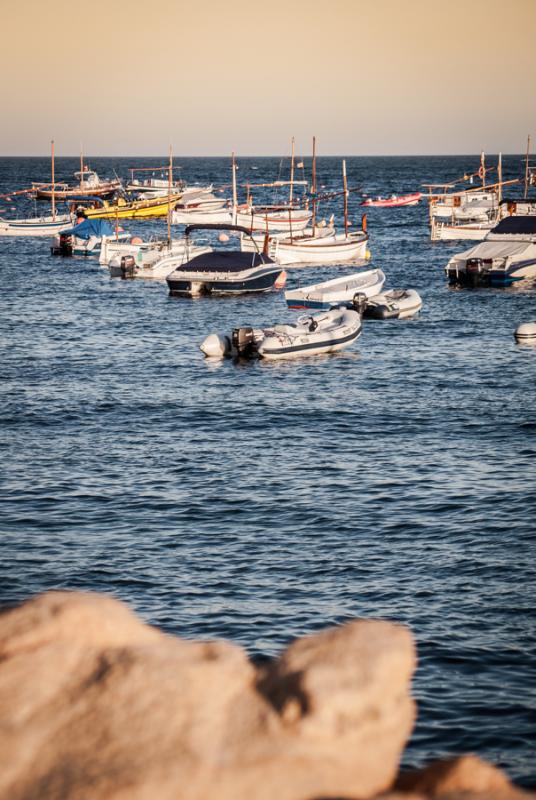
[394, 304]
[35, 226]
[326, 332]
[467, 206]
[142, 251]
[224, 271]
[154, 264]
[337, 291]
[507, 255]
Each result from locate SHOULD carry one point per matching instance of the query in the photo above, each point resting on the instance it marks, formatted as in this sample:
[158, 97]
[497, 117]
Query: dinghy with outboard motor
[394, 304]
[224, 271]
[326, 332]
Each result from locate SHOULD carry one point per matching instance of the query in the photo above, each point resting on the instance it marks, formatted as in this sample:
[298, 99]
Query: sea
[259, 502]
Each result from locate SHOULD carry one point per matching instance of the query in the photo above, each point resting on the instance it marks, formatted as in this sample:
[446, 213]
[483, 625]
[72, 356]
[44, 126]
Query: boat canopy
[216, 226]
[89, 228]
[495, 249]
[517, 225]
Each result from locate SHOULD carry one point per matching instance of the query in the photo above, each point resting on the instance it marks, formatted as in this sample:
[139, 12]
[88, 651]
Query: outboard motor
[474, 272]
[359, 302]
[127, 266]
[243, 341]
[63, 245]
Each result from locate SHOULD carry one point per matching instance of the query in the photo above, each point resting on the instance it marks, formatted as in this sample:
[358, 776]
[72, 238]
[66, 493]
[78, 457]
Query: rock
[96, 705]
[466, 776]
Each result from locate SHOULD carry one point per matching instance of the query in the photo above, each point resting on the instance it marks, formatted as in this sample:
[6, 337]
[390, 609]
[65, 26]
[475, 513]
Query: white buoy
[526, 333]
[216, 346]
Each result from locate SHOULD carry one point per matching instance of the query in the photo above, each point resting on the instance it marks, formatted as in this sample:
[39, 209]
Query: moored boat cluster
[230, 248]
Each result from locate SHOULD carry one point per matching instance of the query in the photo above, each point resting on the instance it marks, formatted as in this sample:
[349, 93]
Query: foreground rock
[95, 704]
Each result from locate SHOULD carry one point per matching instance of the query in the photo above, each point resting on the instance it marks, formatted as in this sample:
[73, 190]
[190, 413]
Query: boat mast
[499, 176]
[345, 195]
[170, 173]
[53, 192]
[483, 168]
[233, 164]
[291, 191]
[314, 186]
[527, 168]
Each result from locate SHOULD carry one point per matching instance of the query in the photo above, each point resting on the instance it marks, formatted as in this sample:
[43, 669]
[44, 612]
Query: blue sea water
[263, 501]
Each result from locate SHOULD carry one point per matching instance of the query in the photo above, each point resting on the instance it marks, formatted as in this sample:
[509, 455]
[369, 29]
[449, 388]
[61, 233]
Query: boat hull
[38, 227]
[291, 220]
[196, 284]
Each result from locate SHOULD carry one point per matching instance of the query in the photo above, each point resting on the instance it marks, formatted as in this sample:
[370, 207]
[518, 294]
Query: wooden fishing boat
[136, 209]
[35, 226]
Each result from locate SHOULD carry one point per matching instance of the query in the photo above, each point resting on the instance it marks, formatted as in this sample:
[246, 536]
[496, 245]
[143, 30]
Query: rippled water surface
[262, 501]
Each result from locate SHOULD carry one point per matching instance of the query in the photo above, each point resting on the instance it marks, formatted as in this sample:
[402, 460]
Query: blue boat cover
[90, 227]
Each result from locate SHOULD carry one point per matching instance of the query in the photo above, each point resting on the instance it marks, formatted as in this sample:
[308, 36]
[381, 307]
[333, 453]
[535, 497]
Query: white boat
[507, 255]
[35, 226]
[475, 231]
[267, 218]
[201, 216]
[337, 291]
[326, 332]
[325, 246]
[152, 264]
[394, 304]
[142, 251]
[468, 206]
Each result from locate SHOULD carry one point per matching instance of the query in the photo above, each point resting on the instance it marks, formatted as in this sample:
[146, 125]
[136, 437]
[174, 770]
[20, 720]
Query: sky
[381, 77]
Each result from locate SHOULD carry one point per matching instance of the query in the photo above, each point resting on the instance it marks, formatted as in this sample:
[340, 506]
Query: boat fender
[127, 266]
[359, 302]
[243, 341]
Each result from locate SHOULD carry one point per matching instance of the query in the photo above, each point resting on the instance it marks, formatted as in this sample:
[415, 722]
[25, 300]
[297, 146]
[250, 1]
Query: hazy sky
[374, 77]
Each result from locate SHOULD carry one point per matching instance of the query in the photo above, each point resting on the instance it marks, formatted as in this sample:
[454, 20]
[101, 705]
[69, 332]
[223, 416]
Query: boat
[326, 332]
[393, 304]
[507, 255]
[525, 333]
[135, 209]
[89, 183]
[153, 263]
[143, 251]
[223, 271]
[272, 218]
[201, 215]
[346, 289]
[84, 238]
[394, 200]
[35, 226]
[38, 226]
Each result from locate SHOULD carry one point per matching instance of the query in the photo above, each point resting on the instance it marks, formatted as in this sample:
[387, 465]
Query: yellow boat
[137, 209]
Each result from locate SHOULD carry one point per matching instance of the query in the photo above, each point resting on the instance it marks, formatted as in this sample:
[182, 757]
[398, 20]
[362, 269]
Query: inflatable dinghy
[311, 335]
[394, 304]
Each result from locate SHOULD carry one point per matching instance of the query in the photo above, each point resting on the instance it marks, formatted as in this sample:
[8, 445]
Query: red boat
[394, 200]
